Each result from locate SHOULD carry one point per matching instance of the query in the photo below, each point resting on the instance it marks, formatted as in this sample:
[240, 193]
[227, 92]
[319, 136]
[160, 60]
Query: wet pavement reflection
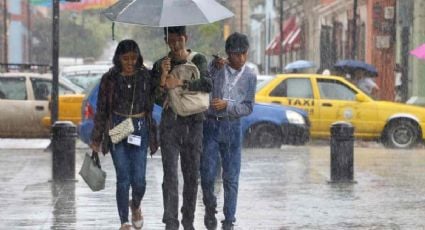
[285, 188]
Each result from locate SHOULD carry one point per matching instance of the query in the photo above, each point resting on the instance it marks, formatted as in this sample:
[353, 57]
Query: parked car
[328, 99]
[85, 76]
[262, 80]
[24, 101]
[267, 126]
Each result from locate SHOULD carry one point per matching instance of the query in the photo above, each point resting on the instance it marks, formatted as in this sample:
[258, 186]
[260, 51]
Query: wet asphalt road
[285, 188]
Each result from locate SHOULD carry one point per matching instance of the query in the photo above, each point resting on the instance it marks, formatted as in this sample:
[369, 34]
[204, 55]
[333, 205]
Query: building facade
[16, 37]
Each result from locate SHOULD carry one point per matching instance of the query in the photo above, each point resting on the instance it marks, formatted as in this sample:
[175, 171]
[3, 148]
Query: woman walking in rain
[125, 93]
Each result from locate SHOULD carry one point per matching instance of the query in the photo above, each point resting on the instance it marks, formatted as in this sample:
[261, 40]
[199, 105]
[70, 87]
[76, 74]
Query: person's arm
[101, 115]
[374, 92]
[204, 83]
[245, 107]
[157, 87]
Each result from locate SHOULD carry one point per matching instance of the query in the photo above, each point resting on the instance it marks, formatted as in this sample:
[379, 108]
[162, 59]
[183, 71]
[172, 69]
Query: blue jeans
[222, 140]
[130, 167]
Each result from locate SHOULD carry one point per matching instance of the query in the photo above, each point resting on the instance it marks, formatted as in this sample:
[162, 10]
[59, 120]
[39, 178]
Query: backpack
[182, 101]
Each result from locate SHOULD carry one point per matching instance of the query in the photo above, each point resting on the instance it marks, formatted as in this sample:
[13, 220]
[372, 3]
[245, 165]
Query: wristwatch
[185, 84]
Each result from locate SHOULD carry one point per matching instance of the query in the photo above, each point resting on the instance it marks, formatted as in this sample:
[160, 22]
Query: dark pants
[180, 136]
[222, 143]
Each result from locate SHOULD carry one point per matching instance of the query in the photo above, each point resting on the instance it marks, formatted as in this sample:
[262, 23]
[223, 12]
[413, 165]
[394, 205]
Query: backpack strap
[191, 55]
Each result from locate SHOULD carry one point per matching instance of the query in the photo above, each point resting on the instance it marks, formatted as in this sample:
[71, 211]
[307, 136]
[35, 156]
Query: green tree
[206, 39]
[81, 35]
[41, 40]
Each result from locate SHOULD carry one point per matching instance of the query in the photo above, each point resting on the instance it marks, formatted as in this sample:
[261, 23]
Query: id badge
[134, 140]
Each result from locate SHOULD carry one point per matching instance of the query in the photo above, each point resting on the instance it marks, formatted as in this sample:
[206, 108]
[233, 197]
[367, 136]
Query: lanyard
[234, 80]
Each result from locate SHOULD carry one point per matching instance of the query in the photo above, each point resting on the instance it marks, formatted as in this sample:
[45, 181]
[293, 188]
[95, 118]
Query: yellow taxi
[69, 109]
[328, 99]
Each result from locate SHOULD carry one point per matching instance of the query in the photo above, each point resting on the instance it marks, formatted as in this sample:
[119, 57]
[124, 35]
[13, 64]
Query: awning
[290, 38]
[87, 5]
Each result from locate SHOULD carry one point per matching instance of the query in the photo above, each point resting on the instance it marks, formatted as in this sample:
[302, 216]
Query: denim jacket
[241, 96]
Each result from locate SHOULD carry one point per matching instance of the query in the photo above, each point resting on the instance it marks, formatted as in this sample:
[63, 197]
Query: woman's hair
[126, 46]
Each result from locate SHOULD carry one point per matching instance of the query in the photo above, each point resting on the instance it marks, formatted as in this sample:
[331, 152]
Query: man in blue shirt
[231, 98]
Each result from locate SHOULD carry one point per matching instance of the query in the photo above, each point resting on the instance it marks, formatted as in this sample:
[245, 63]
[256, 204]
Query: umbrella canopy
[352, 65]
[300, 64]
[419, 51]
[166, 13]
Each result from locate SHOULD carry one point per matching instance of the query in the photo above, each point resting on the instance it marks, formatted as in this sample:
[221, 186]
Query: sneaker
[226, 225]
[171, 227]
[136, 216]
[210, 220]
[188, 227]
[126, 226]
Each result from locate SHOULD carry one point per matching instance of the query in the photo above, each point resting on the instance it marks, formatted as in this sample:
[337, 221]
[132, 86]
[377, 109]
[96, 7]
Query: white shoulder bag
[185, 102]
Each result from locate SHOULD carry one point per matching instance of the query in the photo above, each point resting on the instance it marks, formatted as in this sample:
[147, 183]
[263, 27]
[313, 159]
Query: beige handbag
[185, 102]
[125, 128]
[122, 130]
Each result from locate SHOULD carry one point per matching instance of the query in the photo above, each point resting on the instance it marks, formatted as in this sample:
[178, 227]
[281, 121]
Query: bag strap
[134, 92]
[191, 55]
[95, 157]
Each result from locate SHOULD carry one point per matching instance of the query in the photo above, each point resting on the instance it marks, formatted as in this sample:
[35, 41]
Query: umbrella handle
[166, 37]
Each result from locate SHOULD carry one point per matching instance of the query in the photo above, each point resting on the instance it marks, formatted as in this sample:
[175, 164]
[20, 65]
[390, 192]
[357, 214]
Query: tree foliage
[88, 34]
[207, 39]
[80, 36]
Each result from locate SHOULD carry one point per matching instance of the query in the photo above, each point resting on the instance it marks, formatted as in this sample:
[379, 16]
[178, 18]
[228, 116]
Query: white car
[84, 76]
[24, 101]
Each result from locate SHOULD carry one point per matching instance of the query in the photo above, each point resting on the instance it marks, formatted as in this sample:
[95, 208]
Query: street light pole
[281, 37]
[241, 16]
[5, 41]
[29, 36]
[55, 62]
[354, 35]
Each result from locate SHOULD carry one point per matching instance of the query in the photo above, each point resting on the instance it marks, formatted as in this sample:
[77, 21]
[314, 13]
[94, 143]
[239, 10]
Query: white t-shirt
[397, 79]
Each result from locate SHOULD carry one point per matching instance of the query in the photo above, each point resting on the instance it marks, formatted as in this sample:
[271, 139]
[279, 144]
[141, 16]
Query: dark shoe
[210, 220]
[171, 227]
[226, 225]
[188, 227]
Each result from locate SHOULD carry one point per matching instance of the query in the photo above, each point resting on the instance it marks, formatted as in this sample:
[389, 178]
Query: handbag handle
[95, 157]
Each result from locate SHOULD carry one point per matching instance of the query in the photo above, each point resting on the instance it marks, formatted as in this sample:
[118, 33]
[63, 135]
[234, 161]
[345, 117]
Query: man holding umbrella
[179, 135]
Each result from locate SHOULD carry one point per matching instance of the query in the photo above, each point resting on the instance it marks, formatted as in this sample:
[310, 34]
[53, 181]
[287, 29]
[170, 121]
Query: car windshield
[83, 80]
[76, 88]
[262, 81]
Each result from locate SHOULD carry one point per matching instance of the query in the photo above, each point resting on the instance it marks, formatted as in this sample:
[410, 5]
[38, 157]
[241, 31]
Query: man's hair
[179, 30]
[237, 43]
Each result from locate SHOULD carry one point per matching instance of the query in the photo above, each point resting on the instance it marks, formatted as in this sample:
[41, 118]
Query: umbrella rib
[125, 8]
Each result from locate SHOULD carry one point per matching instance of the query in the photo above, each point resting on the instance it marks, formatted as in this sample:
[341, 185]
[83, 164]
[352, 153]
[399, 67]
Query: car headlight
[294, 117]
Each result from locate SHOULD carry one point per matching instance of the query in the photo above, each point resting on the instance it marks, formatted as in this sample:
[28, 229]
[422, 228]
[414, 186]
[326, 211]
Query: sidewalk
[279, 189]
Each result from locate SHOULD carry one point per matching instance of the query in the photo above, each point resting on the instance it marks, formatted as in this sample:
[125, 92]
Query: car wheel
[401, 134]
[265, 136]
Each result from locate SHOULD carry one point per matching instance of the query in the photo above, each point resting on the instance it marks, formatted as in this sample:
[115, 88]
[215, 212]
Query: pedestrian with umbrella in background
[361, 74]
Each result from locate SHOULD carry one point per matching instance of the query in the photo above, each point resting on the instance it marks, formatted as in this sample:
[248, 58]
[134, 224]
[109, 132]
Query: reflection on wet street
[285, 188]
